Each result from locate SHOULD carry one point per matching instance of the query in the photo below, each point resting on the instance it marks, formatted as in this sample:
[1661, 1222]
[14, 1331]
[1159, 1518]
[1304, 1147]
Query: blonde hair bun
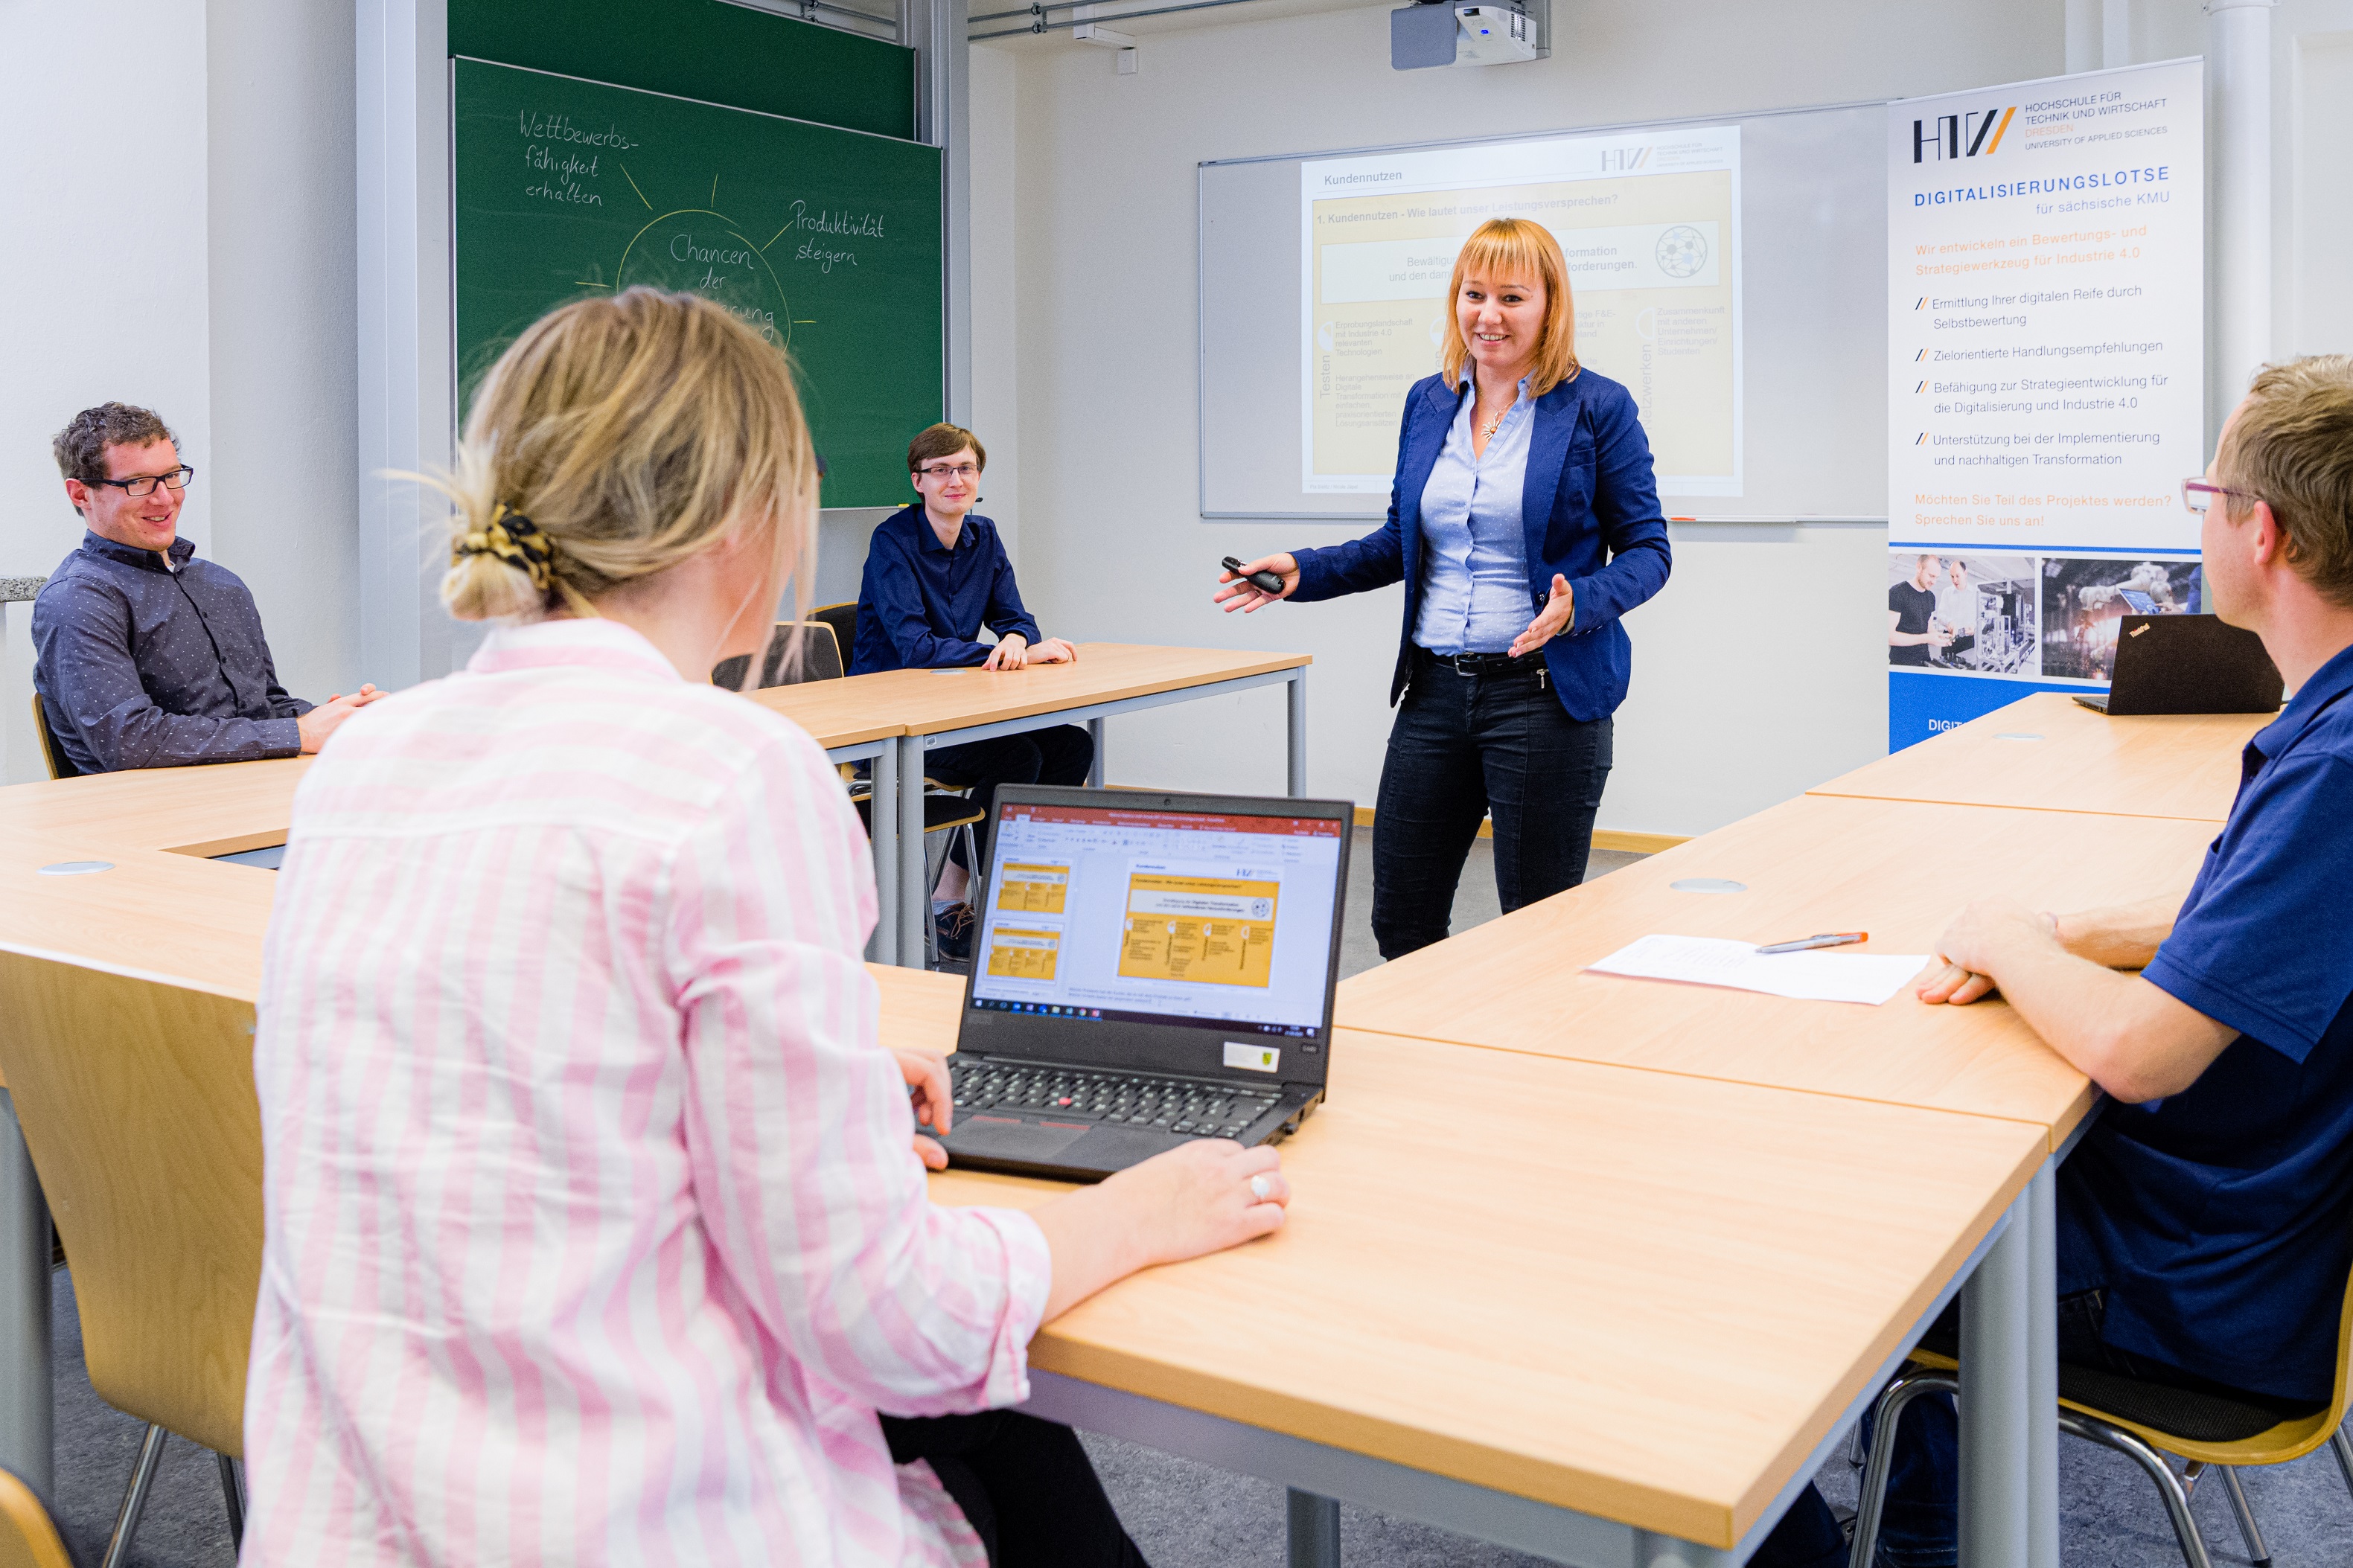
[631, 432]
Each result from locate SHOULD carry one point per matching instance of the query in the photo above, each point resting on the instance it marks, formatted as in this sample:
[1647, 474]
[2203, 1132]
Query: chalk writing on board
[559, 128]
[550, 143]
[705, 252]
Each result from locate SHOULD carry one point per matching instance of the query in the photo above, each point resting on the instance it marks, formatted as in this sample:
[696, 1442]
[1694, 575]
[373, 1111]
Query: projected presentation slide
[1648, 224]
[1162, 915]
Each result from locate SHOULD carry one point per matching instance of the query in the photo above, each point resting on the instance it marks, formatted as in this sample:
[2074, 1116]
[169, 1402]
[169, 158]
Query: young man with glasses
[145, 656]
[936, 574]
[2203, 1239]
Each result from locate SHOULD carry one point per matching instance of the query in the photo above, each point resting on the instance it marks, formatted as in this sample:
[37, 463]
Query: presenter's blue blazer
[1590, 512]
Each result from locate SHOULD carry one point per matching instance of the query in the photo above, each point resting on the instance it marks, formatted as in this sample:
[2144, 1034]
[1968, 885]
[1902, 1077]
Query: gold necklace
[1488, 433]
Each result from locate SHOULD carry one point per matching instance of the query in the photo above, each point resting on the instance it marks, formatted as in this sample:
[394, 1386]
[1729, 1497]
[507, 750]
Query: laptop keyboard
[1194, 1108]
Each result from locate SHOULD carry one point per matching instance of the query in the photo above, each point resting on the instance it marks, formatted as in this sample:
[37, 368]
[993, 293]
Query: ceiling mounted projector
[1450, 32]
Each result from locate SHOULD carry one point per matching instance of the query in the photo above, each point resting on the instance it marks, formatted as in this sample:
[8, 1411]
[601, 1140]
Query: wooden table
[2049, 753]
[1899, 869]
[1637, 1316]
[930, 708]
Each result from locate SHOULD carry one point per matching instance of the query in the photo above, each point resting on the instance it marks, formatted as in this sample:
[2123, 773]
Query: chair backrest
[138, 1105]
[53, 751]
[843, 620]
[28, 1535]
[819, 659]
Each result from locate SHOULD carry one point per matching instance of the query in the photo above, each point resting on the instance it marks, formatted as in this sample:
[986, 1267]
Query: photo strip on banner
[2046, 339]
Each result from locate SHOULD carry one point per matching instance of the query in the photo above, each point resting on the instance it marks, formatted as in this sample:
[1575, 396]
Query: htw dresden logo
[1974, 135]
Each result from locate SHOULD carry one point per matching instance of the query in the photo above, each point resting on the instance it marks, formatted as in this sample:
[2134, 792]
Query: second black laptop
[2188, 664]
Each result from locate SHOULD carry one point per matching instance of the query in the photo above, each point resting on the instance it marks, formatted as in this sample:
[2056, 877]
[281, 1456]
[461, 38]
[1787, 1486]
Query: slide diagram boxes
[1033, 889]
[1016, 954]
[1218, 930]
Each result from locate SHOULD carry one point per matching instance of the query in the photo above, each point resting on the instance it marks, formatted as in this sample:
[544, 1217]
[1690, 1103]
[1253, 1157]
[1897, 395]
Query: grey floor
[1185, 1515]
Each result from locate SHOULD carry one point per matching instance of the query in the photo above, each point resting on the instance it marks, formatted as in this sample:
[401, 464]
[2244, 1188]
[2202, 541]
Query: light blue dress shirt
[1474, 597]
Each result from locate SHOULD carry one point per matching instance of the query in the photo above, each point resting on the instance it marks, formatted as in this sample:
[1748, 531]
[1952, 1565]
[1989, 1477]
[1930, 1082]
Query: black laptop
[2188, 664]
[1149, 969]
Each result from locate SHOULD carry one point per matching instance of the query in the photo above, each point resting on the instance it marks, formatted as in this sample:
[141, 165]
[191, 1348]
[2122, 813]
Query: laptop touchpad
[1002, 1138]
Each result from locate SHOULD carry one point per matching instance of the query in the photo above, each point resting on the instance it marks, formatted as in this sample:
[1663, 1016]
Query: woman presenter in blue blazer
[1524, 523]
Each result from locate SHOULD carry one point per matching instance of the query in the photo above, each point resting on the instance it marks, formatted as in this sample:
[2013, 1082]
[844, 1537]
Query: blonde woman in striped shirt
[596, 1223]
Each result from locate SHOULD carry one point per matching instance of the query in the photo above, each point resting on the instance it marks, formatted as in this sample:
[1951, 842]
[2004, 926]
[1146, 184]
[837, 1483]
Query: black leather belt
[1487, 665]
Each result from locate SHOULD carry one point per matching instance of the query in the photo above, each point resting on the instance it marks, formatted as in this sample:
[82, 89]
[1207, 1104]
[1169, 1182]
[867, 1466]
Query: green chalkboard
[710, 50]
[828, 240]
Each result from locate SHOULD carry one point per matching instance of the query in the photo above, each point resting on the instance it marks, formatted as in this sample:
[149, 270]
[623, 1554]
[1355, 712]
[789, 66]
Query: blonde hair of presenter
[1507, 246]
[615, 437]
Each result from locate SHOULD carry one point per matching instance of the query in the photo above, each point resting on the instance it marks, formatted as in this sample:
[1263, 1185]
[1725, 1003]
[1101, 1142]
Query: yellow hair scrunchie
[514, 539]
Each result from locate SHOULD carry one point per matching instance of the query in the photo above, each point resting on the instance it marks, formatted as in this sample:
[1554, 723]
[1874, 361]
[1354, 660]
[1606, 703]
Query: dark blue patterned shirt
[144, 664]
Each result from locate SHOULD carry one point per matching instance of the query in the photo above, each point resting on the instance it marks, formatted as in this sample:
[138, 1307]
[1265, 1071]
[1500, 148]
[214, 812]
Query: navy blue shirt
[145, 665]
[2220, 1215]
[921, 604]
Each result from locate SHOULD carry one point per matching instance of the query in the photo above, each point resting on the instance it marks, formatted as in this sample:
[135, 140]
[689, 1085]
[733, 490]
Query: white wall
[282, 232]
[1757, 672]
[103, 270]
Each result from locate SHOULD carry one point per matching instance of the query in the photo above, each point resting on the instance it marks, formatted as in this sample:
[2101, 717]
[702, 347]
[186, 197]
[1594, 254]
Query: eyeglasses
[145, 484]
[2198, 495]
[950, 471]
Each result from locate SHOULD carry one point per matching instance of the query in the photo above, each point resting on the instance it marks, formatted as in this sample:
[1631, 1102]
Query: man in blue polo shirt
[936, 574]
[2206, 1220]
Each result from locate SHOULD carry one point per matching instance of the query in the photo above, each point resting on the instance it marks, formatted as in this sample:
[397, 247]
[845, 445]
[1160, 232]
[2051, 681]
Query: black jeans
[1466, 747]
[1025, 1486]
[1058, 755]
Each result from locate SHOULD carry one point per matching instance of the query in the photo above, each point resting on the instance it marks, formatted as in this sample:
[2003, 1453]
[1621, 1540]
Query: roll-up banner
[2046, 383]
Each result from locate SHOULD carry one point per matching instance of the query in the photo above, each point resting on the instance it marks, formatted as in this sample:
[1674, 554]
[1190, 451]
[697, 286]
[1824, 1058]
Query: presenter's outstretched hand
[1558, 613]
[328, 717]
[1239, 594]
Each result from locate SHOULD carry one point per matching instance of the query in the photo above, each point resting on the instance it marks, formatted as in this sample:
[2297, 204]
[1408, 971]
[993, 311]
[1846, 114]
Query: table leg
[2042, 1371]
[1654, 1550]
[914, 891]
[28, 1412]
[1295, 696]
[1095, 768]
[1997, 1382]
[883, 827]
[1314, 1530]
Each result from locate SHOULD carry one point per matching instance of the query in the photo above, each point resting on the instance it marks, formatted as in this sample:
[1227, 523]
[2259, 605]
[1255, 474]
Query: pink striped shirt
[595, 1234]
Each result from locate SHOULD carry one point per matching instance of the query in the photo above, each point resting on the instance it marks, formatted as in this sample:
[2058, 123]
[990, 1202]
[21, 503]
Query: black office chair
[816, 658]
[53, 751]
[843, 620]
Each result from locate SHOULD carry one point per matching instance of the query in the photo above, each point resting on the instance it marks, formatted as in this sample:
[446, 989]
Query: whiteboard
[1813, 209]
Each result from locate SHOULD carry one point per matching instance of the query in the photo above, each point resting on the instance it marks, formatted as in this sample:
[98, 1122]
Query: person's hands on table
[328, 717]
[1959, 973]
[926, 1073]
[1054, 650]
[1240, 593]
[1559, 611]
[1013, 652]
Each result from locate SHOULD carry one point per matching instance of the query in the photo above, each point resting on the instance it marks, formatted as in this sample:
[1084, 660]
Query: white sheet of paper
[1818, 975]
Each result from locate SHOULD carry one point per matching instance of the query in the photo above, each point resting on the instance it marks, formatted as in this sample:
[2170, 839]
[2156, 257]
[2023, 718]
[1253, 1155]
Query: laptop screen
[1157, 916]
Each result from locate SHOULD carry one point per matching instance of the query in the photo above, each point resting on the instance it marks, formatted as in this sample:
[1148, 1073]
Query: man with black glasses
[145, 656]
